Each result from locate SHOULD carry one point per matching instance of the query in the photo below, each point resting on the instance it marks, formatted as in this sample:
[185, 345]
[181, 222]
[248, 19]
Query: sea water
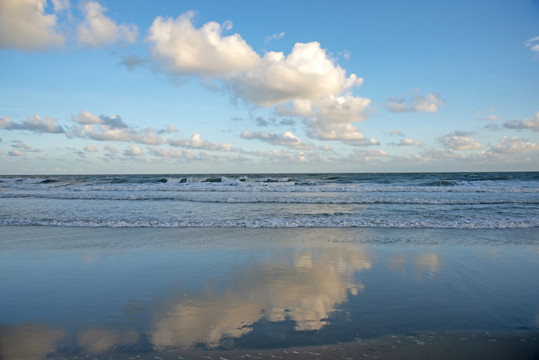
[494, 200]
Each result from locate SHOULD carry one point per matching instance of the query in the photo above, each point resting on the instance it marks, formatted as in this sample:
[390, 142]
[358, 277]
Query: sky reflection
[302, 287]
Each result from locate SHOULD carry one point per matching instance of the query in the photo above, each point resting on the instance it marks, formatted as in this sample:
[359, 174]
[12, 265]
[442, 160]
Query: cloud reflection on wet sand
[28, 342]
[304, 288]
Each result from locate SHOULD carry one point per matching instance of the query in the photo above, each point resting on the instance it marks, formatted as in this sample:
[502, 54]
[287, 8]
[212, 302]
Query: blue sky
[132, 86]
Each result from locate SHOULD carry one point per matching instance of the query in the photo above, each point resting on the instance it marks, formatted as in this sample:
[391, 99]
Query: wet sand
[72, 293]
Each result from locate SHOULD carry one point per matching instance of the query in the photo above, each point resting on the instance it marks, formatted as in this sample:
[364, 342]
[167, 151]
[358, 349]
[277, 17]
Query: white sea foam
[484, 200]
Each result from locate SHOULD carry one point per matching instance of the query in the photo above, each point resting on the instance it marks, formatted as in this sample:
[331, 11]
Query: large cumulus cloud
[305, 83]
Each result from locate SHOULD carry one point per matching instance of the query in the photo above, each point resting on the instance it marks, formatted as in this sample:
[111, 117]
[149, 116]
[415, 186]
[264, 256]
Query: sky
[133, 86]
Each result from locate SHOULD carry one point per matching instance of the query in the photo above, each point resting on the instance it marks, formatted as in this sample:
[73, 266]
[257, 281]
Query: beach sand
[219, 293]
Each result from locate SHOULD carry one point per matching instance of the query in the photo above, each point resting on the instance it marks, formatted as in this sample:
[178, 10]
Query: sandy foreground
[443, 345]
[67, 291]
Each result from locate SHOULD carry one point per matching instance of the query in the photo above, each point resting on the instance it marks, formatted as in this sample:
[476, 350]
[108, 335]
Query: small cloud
[287, 122]
[17, 144]
[396, 104]
[276, 36]
[395, 132]
[133, 150]
[112, 128]
[166, 153]
[260, 121]
[527, 124]
[90, 148]
[459, 140]
[429, 103]
[367, 155]
[33, 123]
[196, 142]
[493, 127]
[515, 145]
[17, 152]
[133, 61]
[169, 129]
[489, 118]
[111, 149]
[409, 142]
[345, 54]
[287, 139]
[533, 44]
[97, 30]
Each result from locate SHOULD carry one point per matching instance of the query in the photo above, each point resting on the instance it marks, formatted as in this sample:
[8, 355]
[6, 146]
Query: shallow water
[81, 291]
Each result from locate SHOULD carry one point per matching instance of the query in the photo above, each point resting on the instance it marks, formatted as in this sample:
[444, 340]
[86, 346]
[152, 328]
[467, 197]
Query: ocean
[495, 200]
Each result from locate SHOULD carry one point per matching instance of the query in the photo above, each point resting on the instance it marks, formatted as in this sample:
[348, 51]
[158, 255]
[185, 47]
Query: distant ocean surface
[494, 200]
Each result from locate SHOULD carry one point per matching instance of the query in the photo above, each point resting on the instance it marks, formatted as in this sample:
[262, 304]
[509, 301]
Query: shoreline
[145, 236]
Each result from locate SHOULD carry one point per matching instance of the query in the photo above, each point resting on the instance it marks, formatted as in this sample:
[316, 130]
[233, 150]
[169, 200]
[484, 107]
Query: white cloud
[305, 83]
[133, 150]
[317, 282]
[90, 148]
[20, 149]
[24, 25]
[178, 47]
[111, 149]
[86, 118]
[409, 142]
[196, 142]
[34, 123]
[335, 117]
[397, 107]
[489, 118]
[276, 36]
[166, 153]
[515, 145]
[169, 129]
[113, 128]
[285, 139]
[530, 124]
[533, 44]
[60, 5]
[98, 30]
[17, 144]
[346, 54]
[429, 103]
[307, 73]
[17, 152]
[396, 104]
[459, 140]
[493, 127]
[367, 155]
[5, 122]
[395, 132]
